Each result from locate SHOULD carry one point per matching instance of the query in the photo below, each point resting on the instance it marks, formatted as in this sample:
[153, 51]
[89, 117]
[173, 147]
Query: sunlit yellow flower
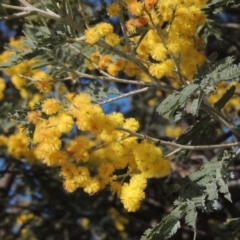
[51, 106]
[42, 81]
[112, 39]
[104, 28]
[34, 117]
[92, 35]
[135, 7]
[133, 193]
[113, 10]
[92, 186]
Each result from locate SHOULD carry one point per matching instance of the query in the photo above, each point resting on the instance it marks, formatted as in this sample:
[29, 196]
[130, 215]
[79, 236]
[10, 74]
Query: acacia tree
[76, 57]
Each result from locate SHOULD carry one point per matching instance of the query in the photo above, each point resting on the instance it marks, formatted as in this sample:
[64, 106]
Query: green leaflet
[225, 98]
[191, 215]
[204, 127]
[168, 106]
[209, 29]
[204, 69]
[167, 227]
[198, 132]
[68, 11]
[201, 190]
[212, 73]
[222, 70]
[21, 57]
[215, 6]
[100, 93]
[196, 103]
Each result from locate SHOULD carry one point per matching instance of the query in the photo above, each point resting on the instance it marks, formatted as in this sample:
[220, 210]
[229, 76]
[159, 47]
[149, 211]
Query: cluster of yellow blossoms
[90, 161]
[16, 145]
[21, 73]
[166, 42]
[15, 142]
[102, 155]
[162, 37]
[2, 88]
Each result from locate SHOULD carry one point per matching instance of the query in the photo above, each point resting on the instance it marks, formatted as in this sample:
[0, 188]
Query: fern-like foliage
[98, 92]
[211, 72]
[197, 133]
[205, 80]
[175, 100]
[201, 190]
[35, 48]
[216, 6]
[210, 28]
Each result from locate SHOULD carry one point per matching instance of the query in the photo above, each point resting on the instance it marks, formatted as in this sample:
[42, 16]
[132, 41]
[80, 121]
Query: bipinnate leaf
[201, 190]
[167, 227]
[168, 106]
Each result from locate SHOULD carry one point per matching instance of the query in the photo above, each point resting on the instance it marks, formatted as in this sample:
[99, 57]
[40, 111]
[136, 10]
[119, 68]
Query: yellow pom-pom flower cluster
[91, 160]
[20, 69]
[101, 30]
[2, 88]
[170, 46]
[42, 81]
[22, 73]
[16, 146]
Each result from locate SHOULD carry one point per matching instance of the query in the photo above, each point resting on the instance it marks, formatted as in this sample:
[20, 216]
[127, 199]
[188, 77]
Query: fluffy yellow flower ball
[51, 106]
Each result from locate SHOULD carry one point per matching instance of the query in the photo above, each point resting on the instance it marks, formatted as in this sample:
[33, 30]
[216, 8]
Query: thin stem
[172, 144]
[123, 175]
[140, 40]
[93, 63]
[83, 14]
[44, 7]
[173, 152]
[123, 27]
[13, 7]
[124, 95]
[126, 56]
[160, 85]
[110, 79]
[31, 10]
[56, 7]
[113, 79]
[238, 152]
[194, 234]
[16, 15]
[171, 21]
[229, 25]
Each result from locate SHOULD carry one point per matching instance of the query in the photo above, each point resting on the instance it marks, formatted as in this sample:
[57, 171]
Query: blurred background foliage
[32, 200]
